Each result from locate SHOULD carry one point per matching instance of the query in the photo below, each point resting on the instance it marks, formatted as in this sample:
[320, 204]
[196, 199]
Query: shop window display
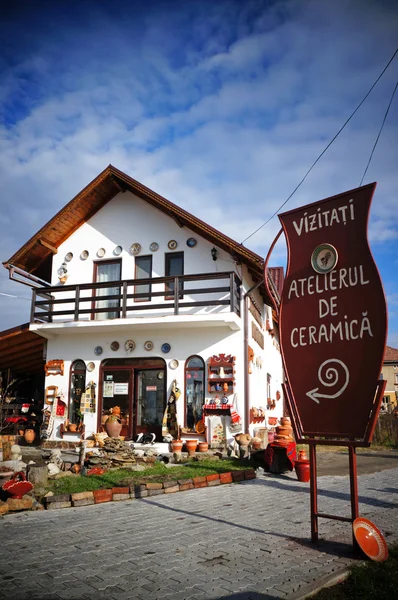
[194, 391]
[77, 387]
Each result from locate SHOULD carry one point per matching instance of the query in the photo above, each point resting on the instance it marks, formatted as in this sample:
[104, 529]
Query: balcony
[202, 298]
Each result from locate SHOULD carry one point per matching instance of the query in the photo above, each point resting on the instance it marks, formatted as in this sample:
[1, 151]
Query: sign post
[333, 324]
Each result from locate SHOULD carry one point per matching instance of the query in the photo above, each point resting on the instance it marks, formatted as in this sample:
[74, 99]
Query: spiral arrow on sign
[329, 378]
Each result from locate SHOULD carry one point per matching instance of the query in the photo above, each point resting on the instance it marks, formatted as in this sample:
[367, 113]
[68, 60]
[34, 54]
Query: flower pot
[29, 436]
[191, 445]
[302, 468]
[72, 427]
[203, 446]
[113, 427]
[176, 445]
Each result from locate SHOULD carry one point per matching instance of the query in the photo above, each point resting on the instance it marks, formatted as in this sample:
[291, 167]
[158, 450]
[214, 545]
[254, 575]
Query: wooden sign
[332, 317]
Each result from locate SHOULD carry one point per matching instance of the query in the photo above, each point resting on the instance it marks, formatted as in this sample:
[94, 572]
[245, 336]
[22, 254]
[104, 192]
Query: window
[194, 391]
[396, 378]
[105, 271]
[77, 387]
[143, 270]
[174, 267]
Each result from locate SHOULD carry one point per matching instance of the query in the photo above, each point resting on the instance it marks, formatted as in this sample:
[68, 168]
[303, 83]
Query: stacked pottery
[284, 432]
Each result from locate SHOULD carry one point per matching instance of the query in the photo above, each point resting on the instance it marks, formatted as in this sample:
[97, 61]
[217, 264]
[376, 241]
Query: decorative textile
[291, 454]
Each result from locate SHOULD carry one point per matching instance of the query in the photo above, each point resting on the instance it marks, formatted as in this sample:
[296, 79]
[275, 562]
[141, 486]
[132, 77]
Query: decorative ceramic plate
[68, 256]
[84, 255]
[115, 346]
[101, 252]
[173, 364]
[148, 345]
[118, 250]
[62, 270]
[217, 401]
[324, 258]
[98, 350]
[90, 366]
[200, 427]
[191, 242]
[172, 245]
[165, 348]
[370, 539]
[154, 246]
[224, 400]
[135, 249]
[129, 346]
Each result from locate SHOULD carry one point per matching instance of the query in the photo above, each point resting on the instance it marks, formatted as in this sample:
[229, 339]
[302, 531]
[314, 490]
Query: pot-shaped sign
[332, 316]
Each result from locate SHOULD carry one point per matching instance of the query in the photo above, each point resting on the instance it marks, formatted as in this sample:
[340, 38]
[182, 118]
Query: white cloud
[221, 110]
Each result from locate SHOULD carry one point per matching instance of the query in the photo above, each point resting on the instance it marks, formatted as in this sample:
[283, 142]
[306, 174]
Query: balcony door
[104, 272]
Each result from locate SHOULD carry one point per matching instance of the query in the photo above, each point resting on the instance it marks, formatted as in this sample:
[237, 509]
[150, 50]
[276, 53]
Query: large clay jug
[29, 436]
[113, 427]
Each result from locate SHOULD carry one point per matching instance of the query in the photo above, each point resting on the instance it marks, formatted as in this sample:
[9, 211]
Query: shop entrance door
[149, 401]
[137, 386]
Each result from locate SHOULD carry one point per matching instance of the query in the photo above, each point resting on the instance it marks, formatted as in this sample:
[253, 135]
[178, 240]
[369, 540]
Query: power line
[323, 152]
[11, 296]
[378, 135]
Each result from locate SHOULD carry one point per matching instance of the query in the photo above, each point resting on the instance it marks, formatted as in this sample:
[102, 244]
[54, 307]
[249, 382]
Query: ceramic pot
[203, 446]
[176, 445]
[191, 445]
[72, 427]
[285, 431]
[271, 436]
[29, 436]
[113, 427]
[302, 455]
[302, 468]
[285, 422]
[18, 486]
[225, 386]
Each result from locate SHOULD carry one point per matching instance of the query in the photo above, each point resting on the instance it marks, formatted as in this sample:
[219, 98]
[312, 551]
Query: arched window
[77, 387]
[194, 391]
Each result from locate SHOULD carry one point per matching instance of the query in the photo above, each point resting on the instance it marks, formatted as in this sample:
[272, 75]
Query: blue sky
[221, 106]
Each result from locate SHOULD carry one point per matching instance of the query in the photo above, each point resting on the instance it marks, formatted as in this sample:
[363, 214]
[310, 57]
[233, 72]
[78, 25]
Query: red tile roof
[391, 354]
[277, 277]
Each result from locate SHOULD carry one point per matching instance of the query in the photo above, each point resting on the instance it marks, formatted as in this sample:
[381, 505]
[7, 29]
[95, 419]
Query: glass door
[150, 401]
[116, 391]
[107, 271]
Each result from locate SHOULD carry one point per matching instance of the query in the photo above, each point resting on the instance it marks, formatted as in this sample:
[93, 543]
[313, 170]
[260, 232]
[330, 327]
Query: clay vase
[225, 386]
[302, 468]
[72, 427]
[302, 455]
[285, 422]
[176, 445]
[191, 445]
[113, 427]
[29, 436]
[203, 446]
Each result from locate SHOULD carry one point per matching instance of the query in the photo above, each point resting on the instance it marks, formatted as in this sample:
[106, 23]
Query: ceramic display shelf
[221, 370]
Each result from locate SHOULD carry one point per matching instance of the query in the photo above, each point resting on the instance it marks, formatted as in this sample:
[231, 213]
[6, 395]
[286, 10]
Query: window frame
[149, 298]
[72, 371]
[194, 369]
[169, 286]
[96, 263]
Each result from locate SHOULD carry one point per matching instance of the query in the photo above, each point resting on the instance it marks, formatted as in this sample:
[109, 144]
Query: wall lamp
[214, 253]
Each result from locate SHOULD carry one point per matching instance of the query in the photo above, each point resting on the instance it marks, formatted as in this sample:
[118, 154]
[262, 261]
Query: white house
[137, 297]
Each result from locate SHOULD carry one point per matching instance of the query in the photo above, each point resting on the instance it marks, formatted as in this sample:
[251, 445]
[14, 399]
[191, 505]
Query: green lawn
[370, 581]
[157, 473]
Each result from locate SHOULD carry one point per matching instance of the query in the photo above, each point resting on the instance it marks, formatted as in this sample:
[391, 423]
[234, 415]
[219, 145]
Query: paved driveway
[234, 541]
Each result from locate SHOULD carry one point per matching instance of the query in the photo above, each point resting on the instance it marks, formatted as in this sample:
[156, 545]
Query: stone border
[144, 490]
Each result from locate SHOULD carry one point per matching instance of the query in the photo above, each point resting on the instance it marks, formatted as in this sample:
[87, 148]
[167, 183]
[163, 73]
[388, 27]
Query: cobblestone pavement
[241, 541]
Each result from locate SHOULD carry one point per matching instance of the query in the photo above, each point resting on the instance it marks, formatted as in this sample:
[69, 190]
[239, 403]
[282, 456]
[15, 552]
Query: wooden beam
[21, 349]
[47, 245]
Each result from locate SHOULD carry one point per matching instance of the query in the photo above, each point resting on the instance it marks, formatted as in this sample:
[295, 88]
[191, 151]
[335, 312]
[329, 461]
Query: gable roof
[390, 355]
[33, 254]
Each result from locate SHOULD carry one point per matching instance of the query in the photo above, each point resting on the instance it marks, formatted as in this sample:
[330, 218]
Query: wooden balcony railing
[119, 299]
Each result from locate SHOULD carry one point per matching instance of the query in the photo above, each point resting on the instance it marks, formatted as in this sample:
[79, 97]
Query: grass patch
[370, 581]
[155, 474]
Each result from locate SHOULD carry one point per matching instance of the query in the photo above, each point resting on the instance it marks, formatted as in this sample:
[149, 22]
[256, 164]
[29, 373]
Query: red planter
[302, 468]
